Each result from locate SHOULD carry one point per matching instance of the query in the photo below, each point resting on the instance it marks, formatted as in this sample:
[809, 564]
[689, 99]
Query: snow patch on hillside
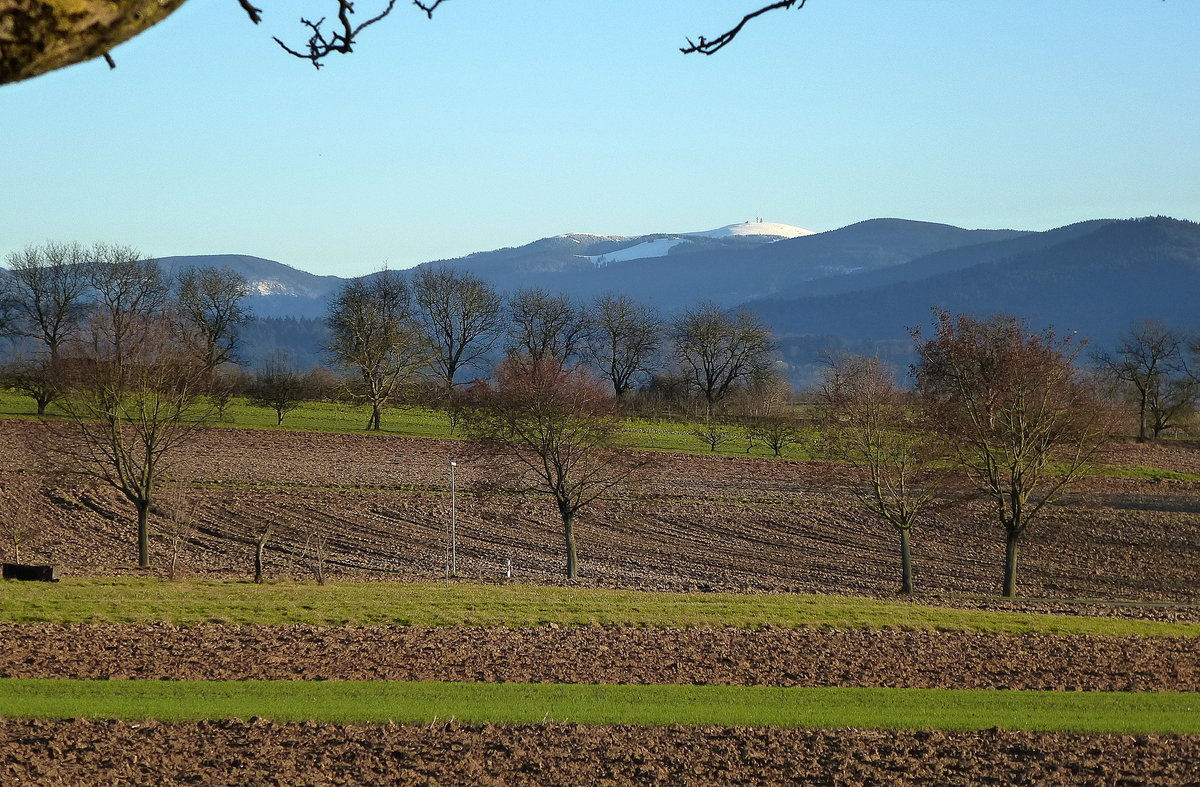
[272, 287]
[653, 248]
[769, 228]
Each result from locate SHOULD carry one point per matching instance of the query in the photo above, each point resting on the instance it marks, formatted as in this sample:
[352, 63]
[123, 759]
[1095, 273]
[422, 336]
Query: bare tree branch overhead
[255, 14]
[39, 37]
[710, 47]
[428, 8]
[341, 40]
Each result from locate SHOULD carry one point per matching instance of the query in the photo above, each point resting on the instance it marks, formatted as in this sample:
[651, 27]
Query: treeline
[389, 340]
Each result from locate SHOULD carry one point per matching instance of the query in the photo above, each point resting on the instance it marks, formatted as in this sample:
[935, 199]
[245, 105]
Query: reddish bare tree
[1011, 408]
[556, 426]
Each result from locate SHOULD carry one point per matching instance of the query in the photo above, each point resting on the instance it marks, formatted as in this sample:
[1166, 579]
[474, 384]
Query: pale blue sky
[503, 121]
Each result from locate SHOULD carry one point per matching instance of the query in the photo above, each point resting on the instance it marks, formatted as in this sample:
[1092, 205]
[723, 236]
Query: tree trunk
[41, 405]
[143, 515]
[1010, 564]
[905, 563]
[280, 414]
[373, 423]
[259, 547]
[569, 540]
[1141, 438]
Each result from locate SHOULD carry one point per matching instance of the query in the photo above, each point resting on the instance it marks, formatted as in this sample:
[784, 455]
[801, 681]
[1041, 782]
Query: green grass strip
[524, 703]
[139, 600]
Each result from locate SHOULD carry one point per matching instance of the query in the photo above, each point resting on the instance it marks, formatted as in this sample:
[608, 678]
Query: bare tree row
[389, 333]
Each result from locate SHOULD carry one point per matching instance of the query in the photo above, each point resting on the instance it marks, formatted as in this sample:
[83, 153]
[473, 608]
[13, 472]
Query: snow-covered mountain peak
[588, 237]
[766, 228]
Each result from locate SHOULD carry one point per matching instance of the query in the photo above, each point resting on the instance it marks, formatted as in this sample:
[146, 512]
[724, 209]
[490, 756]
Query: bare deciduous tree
[18, 525]
[46, 289]
[461, 316]
[130, 296]
[175, 524]
[279, 386]
[1149, 359]
[556, 426]
[542, 325]
[625, 340]
[713, 432]
[373, 334]
[869, 424]
[1010, 407]
[716, 350]
[37, 378]
[211, 303]
[129, 410]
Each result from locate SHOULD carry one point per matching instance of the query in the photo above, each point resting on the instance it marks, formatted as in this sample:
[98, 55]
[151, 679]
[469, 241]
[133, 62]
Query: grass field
[640, 433]
[523, 703]
[126, 600]
[649, 434]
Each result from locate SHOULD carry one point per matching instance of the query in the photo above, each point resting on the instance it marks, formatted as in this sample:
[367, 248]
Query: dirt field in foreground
[381, 506]
[81, 752]
[771, 657]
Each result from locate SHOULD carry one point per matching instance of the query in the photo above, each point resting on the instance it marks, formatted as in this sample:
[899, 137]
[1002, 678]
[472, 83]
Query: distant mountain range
[858, 287]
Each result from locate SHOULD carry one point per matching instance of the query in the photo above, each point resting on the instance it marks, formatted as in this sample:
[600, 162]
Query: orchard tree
[1011, 408]
[277, 385]
[211, 302]
[625, 340]
[461, 316]
[557, 426]
[373, 334]
[130, 296]
[45, 293]
[43, 301]
[716, 350]
[876, 430]
[542, 325]
[1149, 361]
[129, 410]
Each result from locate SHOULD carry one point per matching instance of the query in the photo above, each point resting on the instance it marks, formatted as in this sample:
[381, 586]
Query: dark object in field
[30, 573]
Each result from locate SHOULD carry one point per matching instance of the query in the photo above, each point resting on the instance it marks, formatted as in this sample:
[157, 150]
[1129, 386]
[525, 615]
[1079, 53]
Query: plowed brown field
[593, 654]
[260, 752]
[697, 521]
